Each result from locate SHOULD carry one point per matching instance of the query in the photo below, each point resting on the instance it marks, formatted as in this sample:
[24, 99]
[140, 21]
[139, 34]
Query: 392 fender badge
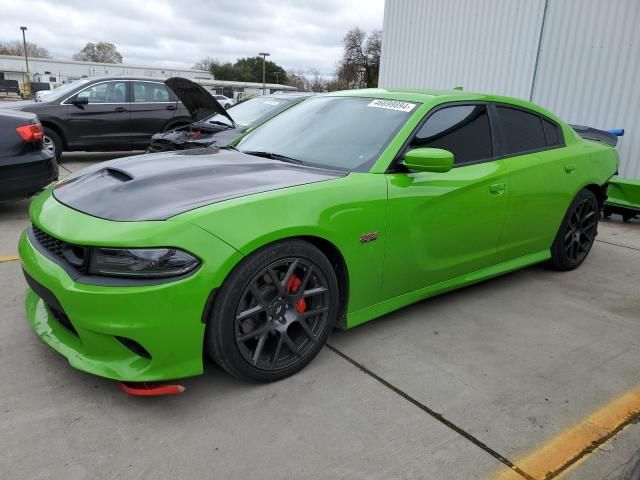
[368, 237]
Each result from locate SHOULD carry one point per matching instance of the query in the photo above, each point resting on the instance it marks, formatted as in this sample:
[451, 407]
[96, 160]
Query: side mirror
[80, 101]
[428, 160]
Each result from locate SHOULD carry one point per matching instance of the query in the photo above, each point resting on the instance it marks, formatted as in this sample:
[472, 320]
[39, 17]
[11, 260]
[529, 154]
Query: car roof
[437, 96]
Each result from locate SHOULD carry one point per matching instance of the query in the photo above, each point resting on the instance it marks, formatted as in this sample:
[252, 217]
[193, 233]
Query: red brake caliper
[292, 285]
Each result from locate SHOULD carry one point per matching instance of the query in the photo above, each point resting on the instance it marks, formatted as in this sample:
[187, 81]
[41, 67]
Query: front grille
[74, 255]
[51, 244]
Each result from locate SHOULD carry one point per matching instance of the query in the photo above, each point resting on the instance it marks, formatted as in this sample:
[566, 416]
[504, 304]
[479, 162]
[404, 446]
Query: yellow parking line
[10, 258]
[561, 452]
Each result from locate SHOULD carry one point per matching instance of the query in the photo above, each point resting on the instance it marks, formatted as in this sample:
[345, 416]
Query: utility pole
[264, 71]
[26, 59]
[277, 77]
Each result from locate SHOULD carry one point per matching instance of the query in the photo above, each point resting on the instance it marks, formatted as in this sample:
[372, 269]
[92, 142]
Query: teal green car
[343, 208]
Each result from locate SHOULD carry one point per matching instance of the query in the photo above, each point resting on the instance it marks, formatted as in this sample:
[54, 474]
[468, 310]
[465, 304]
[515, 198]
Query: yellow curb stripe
[10, 258]
[562, 451]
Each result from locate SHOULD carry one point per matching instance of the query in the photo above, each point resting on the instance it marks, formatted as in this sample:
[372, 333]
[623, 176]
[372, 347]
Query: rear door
[105, 121]
[153, 105]
[444, 225]
[540, 175]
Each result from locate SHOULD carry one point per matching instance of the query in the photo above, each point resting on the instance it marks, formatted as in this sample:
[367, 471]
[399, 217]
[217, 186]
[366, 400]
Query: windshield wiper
[273, 156]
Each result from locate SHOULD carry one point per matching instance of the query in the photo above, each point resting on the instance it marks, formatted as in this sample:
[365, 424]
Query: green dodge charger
[346, 207]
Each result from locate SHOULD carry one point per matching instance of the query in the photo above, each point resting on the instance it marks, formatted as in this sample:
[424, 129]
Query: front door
[105, 121]
[445, 225]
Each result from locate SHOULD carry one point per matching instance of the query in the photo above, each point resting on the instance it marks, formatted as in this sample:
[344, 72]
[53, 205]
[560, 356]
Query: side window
[464, 130]
[521, 131]
[106, 92]
[151, 92]
[552, 133]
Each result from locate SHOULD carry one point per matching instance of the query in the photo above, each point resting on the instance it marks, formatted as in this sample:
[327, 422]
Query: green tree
[247, 70]
[103, 52]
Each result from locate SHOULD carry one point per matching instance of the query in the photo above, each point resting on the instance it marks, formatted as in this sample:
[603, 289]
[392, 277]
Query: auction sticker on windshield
[392, 105]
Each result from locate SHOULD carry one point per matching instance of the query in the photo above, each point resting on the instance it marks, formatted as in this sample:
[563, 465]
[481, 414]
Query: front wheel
[577, 232]
[274, 312]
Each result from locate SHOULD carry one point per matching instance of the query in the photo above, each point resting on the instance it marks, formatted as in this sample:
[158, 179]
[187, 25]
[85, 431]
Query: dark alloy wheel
[274, 312]
[577, 232]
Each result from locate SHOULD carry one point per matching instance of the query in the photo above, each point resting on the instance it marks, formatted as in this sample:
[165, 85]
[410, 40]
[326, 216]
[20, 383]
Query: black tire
[53, 143]
[577, 232]
[259, 329]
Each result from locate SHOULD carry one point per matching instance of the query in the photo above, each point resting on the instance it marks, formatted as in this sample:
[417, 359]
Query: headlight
[141, 262]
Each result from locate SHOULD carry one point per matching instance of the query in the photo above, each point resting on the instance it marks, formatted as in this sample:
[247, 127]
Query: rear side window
[521, 131]
[151, 92]
[464, 130]
[552, 133]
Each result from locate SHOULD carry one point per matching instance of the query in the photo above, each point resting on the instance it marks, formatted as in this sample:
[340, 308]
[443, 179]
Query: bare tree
[103, 52]
[334, 84]
[297, 79]
[360, 63]
[205, 64]
[316, 83]
[16, 48]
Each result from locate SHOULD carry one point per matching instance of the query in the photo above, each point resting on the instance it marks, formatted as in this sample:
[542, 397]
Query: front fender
[339, 211]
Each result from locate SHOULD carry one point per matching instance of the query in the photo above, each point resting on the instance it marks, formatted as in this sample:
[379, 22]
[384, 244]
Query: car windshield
[247, 112]
[60, 92]
[343, 133]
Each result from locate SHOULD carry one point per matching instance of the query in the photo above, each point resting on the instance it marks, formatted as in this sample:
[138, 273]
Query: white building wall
[67, 70]
[588, 65]
[589, 70]
[483, 45]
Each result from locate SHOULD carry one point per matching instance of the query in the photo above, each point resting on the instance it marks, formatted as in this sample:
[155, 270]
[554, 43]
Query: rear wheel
[52, 143]
[577, 233]
[274, 312]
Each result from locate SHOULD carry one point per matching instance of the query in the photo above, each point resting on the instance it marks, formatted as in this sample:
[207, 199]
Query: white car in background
[226, 102]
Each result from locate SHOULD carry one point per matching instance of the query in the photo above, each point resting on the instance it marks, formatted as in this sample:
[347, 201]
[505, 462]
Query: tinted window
[105, 92]
[552, 133]
[521, 131]
[151, 92]
[464, 130]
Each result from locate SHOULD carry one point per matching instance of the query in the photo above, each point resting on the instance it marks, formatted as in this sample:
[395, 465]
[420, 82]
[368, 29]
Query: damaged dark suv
[212, 124]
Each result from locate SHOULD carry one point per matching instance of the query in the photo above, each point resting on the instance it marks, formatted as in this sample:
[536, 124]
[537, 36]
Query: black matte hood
[196, 99]
[162, 185]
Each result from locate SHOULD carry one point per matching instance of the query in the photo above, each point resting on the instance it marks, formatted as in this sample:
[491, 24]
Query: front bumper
[129, 333]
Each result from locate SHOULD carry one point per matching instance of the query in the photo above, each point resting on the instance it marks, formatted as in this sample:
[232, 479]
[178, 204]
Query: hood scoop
[162, 185]
[118, 174]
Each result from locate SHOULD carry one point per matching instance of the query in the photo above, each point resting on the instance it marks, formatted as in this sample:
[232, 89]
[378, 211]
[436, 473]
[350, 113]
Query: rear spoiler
[607, 136]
